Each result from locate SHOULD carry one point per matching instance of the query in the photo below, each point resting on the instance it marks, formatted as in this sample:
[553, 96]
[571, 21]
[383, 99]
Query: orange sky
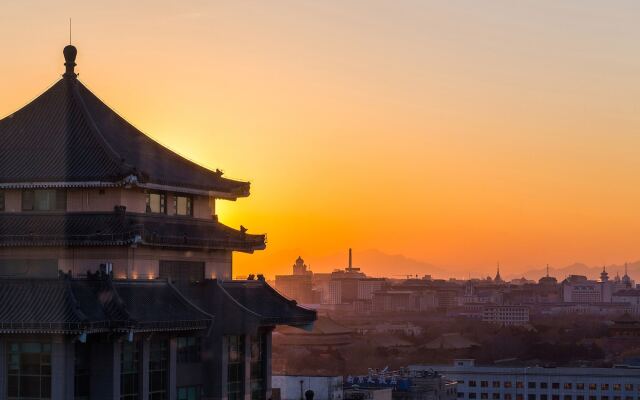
[456, 133]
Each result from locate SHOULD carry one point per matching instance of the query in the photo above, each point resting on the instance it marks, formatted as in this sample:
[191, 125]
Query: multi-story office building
[538, 383]
[505, 315]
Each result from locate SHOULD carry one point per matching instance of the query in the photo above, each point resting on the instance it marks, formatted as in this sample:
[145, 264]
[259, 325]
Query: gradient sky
[453, 132]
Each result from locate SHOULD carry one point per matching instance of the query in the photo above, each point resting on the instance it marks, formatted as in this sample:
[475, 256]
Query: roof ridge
[233, 299]
[111, 152]
[108, 283]
[75, 306]
[191, 304]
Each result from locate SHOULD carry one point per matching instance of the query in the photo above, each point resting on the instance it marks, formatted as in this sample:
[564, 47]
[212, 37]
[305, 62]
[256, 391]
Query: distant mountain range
[592, 272]
[377, 263]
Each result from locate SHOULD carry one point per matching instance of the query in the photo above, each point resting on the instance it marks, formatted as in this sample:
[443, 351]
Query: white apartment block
[538, 383]
[506, 315]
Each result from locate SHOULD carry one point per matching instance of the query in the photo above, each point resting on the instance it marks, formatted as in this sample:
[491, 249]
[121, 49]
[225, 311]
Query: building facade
[115, 273]
[537, 383]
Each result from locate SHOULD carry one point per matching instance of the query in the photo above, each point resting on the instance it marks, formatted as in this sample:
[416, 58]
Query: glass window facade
[189, 349]
[189, 393]
[82, 367]
[129, 371]
[258, 366]
[183, 205]
[156, 202]
[44, 200]
[235, 369]
[158, 370]
[28, 370]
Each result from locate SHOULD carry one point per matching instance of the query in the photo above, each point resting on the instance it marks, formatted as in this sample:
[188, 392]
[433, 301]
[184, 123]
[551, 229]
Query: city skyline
[456, 135]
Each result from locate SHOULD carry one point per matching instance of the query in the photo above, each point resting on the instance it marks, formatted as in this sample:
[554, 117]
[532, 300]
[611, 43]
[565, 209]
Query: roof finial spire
[70, 53]
[69, 30]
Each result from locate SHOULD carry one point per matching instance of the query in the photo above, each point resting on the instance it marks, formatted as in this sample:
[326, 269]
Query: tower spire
[70, 52]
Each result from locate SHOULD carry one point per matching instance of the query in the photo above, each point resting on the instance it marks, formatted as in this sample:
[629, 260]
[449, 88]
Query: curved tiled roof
[121, 228]
[95, 305]
[68, 135]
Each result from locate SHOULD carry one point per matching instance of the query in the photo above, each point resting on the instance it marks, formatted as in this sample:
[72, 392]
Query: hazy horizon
[453, 133]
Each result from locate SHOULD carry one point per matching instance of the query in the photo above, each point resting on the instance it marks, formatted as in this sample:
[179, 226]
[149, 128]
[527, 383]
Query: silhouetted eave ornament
[67, 137]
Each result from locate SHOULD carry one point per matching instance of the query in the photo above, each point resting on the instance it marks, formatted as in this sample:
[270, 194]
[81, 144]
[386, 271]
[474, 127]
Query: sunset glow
[455, 133]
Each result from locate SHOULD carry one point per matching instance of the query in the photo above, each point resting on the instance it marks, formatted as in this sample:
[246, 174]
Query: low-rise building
[506, 315]
[293, 387]
[538, 383]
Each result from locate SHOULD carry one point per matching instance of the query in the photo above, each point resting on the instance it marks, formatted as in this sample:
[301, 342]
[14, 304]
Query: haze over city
[454, 134]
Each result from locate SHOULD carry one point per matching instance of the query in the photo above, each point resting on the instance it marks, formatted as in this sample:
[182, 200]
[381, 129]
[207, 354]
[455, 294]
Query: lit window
[44, 200]
[156, 202]
[1, 200]
[183, 205]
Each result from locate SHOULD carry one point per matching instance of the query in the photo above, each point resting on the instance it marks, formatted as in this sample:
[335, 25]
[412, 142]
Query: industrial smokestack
[350, 264]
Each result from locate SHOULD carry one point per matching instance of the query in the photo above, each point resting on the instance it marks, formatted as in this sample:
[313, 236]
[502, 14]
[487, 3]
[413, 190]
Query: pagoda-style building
[115, 274]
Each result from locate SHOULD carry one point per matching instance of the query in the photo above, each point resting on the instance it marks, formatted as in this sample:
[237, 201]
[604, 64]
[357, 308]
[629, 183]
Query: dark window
[531, 397]
[129, 371]
[258, 368]
[508, 384]
[235, 371]
[555, 385]
[617, 387]
[567, 397]
[189, 349]
[628, 386]
[472, 395]
[484, 396]
[495, 384]
[519, 384]
[543, 397]
[531, 385]
[82, 366]
[567, 385]
[29, 370]
[183, 205]
[1, 200]
[44, 200]
[189, 392]
[543, 385]
[472, 383]
[604, 386]
[507, 396]
[495, 396]
[158, 369]
[484, 384]
[461, 395]
[593, 386]
[156, 202]
[580, 386]
[182, 271]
